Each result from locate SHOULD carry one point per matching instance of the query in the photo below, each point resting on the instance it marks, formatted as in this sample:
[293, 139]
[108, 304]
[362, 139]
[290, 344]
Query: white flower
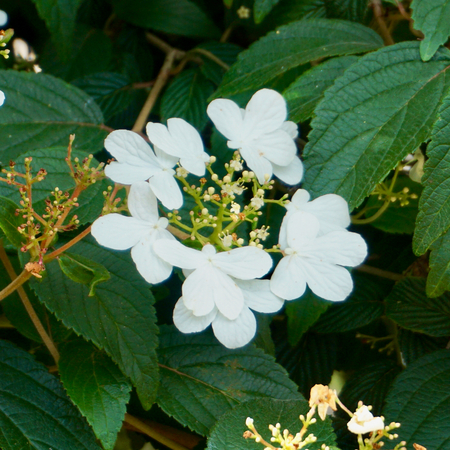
[257, 202]
[236, 165]
[330, 209]
[235, 208]
[182, 140]
[139, 231]
[261, 133]
[239, 331]
[137, 162]
[363, 421]
[210, 285]
[2, 98]
[316, 261]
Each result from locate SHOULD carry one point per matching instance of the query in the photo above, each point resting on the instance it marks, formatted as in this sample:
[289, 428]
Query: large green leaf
[434, 208]
[35, 412]
[119, 318]
[201, 379]
[182, 17]
[261, 8]
[227, 433]
[59, 16]
[380, 110]
[10, 221]
[96, 385]
[409, 306]
[432, 18]
[292, 45]
[186, 97]
[420, 401]
[42, 111]
[355, 10]
[438, 280]
[307, 90]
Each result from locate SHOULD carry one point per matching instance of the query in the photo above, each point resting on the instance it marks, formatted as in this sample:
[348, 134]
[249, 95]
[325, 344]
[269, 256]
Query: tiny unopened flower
[416, 172]
[364, 422]
[257, 202]
[323, 398]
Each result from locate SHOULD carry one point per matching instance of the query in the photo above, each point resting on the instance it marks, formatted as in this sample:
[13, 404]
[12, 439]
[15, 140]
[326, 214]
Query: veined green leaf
[438, 280]
[9, 221]
[96, 385]
[41, 111]
[380, 110]
[35, 412]
[292, 45]
[432, 18]
[201, 379]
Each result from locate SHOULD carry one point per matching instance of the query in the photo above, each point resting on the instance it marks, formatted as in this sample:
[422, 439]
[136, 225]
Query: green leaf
[421, 403]
[380, 110]
[292, 45]
[35, 412]
[59, 16]
[409, 307]
[306, 91]
[227, 433]
[186, 97]
[96, 385]
[438, 280]
[261, 8]
[397, 218]
[302, 314]
[434, 208]
[432, 19]
[41, 111]
[201, 379]
[119, 318]
[354, 10]
[9, 222]
[83, 270]
[182, 17]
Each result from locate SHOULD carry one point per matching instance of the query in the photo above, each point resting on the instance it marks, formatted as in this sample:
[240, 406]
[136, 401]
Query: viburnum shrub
[213, 211]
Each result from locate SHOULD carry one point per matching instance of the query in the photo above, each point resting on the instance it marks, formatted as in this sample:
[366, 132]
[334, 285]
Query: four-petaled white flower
[2, 98]
[316, 260]
[261, 133]
[330, 209]
[137, 162]
[182, 140]
[364, 422]
[239, 331]
[138, 232]
[210, 284]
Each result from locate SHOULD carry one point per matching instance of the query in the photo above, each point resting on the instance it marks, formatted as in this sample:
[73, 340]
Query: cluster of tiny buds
[111, 205]
[85, 175]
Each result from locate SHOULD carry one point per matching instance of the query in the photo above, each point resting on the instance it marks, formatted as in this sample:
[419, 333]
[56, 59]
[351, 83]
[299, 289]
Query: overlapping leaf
[438, 280]
[415, 345]
[201, 380]
[381, 109]
[263, 7]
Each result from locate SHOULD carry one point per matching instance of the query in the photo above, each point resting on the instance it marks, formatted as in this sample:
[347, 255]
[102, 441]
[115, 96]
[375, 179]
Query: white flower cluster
[222, 288]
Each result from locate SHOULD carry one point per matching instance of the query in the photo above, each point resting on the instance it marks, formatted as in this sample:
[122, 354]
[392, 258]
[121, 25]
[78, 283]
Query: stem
[149, 431]
[380, 272]
[378, 13]
[66, 246]
[178, 233]
[374, 217]
[27, 304]
[212, 57]
[15, 284]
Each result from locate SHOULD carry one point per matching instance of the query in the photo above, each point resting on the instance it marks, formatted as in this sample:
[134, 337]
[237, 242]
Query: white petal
[276, 146]
[130, 148]
[142, 202]
[301, 229]
[187, 138]
[265, 112]
[209, 286]
[160, 137]
[256, 162]
[166, 161]
[287, 282]
[119, 232]
[152, 268]
[291, 128]
[2, 98]
[227, 118]
[244, 263]
[259, 297]
[185, 320]
[235, 333]
[166, 189]
[291, 174]
[299, 199]
[328, 281]
[129, 174]
[179, 255]
[194, 165]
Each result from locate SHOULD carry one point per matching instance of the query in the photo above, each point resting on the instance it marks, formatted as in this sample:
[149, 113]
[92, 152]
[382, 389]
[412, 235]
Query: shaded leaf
[292, 45]
[438, 280]
[354, 10]
[35, 412]
[380, 110]
[10, 221]
[261, 8]
[98, 388]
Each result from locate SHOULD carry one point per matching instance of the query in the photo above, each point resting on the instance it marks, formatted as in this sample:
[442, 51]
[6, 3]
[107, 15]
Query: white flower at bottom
[231, 333]
[138, 232]
[2, 98]
[315, 260]
[363, 421]
[210, 285]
